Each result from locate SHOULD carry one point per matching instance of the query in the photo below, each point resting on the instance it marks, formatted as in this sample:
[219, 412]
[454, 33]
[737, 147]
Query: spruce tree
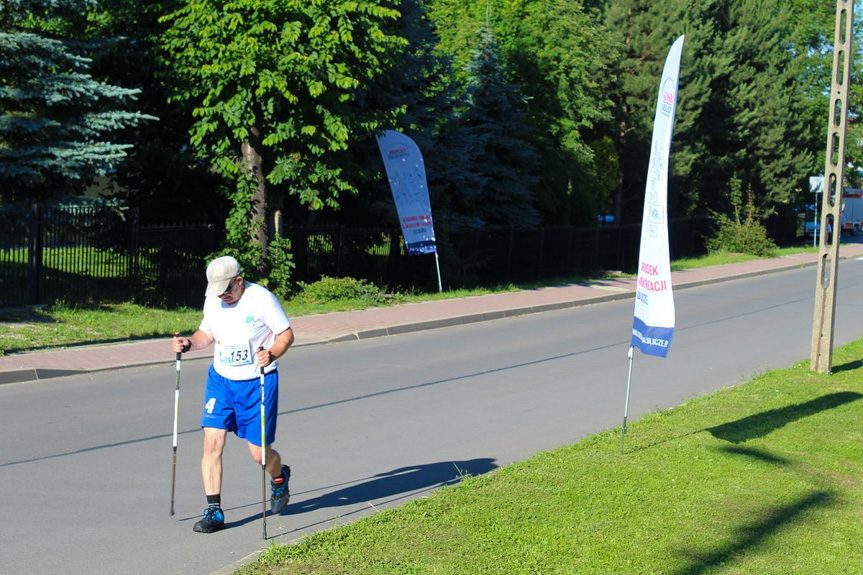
[741, 109]
[161, 176]
[419, 86]
[761, 91]
[432, 100]
[558, 52]
[645, 31]
[55, 118]
[495, 134]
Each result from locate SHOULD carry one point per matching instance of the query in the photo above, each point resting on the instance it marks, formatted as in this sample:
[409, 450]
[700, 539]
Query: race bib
[235, 354]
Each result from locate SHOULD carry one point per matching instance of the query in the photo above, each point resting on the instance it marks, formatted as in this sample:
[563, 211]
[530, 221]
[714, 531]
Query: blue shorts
[235, 405]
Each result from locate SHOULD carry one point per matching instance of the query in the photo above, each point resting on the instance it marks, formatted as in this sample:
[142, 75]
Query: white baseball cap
[220, 273]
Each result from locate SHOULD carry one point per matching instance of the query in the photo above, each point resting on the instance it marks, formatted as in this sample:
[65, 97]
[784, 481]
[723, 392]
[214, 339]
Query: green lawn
[762, 478]
[720, 258]
[60, 325]
[27, 329]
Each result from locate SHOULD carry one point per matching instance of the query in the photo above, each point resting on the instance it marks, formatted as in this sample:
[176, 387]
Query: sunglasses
[230, 287]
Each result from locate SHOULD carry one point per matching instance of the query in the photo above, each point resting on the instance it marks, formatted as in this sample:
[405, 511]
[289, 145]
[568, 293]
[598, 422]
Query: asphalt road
[85, 461]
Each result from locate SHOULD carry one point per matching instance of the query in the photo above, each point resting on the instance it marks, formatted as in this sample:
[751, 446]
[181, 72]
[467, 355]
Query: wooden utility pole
[834, 173]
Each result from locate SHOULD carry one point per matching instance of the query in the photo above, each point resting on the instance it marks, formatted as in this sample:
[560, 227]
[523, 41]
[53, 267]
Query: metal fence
[82, 254]
[480, 257]
[93, 254]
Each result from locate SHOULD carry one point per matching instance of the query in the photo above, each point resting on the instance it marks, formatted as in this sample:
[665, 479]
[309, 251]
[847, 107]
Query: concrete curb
[36, 374]
[33, 374]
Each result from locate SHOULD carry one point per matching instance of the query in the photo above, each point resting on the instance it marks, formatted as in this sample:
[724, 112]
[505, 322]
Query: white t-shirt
[239, 329]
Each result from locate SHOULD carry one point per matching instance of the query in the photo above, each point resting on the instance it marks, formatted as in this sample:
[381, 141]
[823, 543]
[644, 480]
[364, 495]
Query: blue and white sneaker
[280, 492]
[214, 520]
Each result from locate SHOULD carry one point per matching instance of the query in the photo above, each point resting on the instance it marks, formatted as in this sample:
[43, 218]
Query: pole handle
[179, 353]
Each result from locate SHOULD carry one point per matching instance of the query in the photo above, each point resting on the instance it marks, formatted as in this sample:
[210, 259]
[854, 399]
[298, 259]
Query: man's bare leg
[211, 461]
[211, 473]
[274, 460]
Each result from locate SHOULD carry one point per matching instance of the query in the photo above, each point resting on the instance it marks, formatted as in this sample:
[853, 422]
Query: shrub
[332, 289]
[743, 232]
[278, 279]
[281, 263]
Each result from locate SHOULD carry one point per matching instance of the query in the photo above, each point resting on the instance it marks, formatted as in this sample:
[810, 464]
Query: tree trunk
[623, 128]
[618, 193]
[253, 159]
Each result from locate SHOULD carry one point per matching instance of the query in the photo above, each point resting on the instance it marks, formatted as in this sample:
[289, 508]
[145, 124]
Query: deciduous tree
[275, 85]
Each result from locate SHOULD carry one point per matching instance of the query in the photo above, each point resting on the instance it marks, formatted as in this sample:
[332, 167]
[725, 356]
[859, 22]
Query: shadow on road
[396, 482]
[766, 422]
[389, 486]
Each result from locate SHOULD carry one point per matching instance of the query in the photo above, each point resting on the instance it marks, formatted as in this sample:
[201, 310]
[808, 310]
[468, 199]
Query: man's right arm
[198, 340]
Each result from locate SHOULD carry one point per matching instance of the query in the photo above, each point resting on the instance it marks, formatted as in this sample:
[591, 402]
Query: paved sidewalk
[349, 326]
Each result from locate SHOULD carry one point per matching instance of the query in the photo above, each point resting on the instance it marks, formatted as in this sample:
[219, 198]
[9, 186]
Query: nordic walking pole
[263, 456]
[176, 421]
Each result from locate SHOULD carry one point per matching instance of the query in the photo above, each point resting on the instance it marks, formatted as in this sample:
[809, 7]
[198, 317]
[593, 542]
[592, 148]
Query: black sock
[214, 501]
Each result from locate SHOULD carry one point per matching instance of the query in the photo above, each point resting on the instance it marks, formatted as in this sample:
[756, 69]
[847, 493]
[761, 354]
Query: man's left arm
[281, 344]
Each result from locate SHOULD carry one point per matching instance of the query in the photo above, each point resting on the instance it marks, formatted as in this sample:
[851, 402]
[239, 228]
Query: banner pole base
[626, 403]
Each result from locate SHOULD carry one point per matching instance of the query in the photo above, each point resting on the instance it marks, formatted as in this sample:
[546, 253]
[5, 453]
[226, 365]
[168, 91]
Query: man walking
[251, 331]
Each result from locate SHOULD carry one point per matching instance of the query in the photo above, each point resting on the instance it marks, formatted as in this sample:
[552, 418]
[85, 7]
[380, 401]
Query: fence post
[620, 247]
[340, 251]
[509, 254]
[474, 261]
[692, 236]
[132, 262]
[391, 260]
[596, 258]
[34, 256]
[541, 252]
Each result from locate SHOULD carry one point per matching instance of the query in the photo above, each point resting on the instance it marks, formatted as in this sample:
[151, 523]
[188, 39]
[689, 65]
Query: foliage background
[269, 106]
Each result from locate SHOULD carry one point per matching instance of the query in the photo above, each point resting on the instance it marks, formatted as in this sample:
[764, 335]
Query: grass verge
[61, 325]
[28, 329]
[720, 258]
[762, 478]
